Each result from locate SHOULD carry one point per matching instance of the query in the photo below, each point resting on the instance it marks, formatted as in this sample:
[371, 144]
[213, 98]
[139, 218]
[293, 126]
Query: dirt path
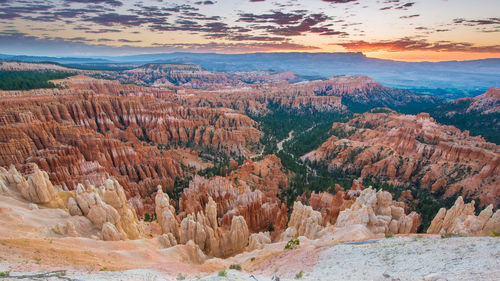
[280, 144]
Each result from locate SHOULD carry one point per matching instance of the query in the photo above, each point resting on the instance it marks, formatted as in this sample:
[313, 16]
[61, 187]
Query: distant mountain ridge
[450, 79]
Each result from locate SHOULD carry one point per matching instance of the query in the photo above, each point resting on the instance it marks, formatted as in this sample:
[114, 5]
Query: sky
[414, 30]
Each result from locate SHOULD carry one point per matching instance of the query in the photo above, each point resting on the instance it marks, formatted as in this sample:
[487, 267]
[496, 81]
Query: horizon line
[242, 53]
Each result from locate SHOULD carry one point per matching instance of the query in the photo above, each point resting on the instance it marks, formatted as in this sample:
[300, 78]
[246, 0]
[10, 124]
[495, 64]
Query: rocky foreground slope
[32, 243]
[414, 149]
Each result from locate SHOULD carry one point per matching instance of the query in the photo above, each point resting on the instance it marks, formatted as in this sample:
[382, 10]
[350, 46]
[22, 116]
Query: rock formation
[461, 219]
[260, 212]
[105, 207]
[304, 221]
[167, 240]
[369, 211]
[409, 149]
[202, 228]
[379, 213]
[258, 240]
[95, 129]
[330, 205]
[37, 188]
[486, 103]
[108, 209]
[250, 191]
[166, 214]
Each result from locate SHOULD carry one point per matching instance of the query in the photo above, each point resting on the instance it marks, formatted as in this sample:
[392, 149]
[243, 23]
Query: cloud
[488, 21]
[488, 25]
[13, 12]
[14, 42]
[409, 44]
[290, 24]
[276, 17]
[129, 41]
[111, 19]
[405, 6]
[113, 3]
[103, 30]
[204, 3]
[339, 1]
[409, 17]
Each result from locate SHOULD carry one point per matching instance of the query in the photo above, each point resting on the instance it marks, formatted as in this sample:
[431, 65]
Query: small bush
[235, 267]
[495, 233]
[181, 277]
[294, 243]
[388, 235]
[222, 273]
[149, 218]
[299, 275]
[4, 273]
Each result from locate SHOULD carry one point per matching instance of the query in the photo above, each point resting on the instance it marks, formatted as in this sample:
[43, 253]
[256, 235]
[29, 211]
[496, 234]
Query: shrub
[495, 234]
[181, 277]
[388, 235]
[294, 243]
[235, 267]
[4, 273]
[222, 273]
[299, 275]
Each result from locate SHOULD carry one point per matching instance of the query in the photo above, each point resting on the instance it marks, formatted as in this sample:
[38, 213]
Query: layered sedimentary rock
[260, 211]
[202, 228]
[304, 221]
[461, 219]
[36, 188]
[104, 208]
[258, 240]
[108, 209]
[364, 90]
[193, 76]
[486, 103]
[375, 212]
[379, 213]
[414, 149]
[265, 175]
[95, 129]
[330, 205]
[165, 214]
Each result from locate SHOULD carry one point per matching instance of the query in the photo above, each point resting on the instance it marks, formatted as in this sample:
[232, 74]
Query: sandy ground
[28, 246]
[401, 258]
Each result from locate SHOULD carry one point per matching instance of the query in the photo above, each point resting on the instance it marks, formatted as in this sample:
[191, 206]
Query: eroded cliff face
[375, 213]
[95, 129]
[220, 213]
[193, 76]
[461, 219]
[104, 208]
[202, 228]
[414, 149]
[364, 90]
[330, 205]
[379, 213]
[486, 103]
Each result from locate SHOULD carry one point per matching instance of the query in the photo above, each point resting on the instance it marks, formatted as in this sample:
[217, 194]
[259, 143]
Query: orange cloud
[408, 44]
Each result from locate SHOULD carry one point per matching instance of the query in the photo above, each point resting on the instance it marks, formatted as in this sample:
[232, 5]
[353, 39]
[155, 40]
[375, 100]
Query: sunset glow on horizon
[425, 30]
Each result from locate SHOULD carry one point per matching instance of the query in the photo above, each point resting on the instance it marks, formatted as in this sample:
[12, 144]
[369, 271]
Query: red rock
[409, 149]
